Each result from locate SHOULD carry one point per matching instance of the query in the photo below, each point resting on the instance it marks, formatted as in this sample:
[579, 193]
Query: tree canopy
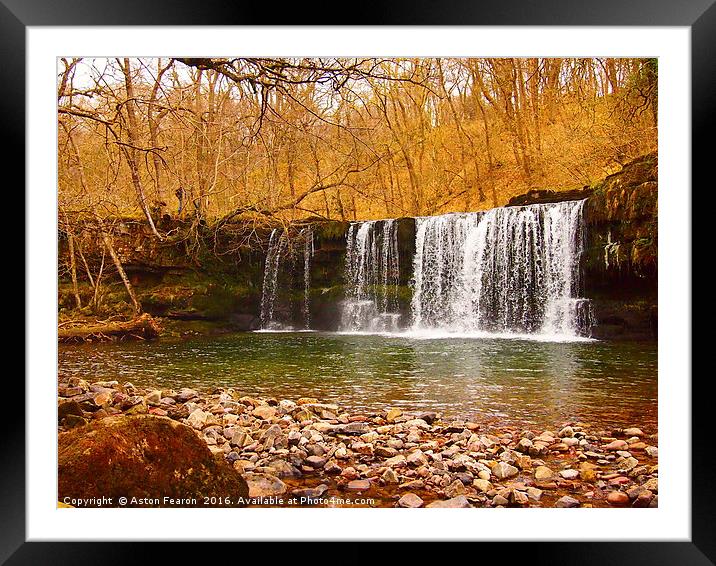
[211, 140]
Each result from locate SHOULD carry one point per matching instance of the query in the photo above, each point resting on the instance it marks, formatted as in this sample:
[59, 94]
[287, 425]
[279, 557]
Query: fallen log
[144, 327]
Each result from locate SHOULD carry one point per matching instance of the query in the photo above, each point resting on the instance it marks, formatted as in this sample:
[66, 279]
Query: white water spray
[507, 270]
[277, 244]
[371, 274]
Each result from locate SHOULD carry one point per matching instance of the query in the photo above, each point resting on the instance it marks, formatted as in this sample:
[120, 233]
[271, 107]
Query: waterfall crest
[371, 274]
[507, 270]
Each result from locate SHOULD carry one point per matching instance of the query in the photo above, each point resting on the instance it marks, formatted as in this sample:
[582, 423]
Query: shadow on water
[519, 381]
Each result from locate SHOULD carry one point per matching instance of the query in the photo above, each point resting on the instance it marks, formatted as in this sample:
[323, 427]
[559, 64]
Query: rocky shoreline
[309, 453]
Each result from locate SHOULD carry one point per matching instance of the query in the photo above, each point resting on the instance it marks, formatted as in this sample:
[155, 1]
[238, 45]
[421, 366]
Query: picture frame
[700, 16]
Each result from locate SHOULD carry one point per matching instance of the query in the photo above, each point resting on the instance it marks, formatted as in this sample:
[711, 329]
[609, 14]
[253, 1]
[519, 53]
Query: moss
[142, 457]
[331, 230]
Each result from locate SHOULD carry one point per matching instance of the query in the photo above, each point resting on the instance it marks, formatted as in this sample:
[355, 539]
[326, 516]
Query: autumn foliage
[210, 140]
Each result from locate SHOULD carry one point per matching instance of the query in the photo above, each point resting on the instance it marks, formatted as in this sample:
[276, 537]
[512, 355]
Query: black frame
[699, 15]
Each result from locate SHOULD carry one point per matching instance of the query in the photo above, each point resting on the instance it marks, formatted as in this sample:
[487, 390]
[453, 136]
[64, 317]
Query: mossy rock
[331, 230]
[143, 457]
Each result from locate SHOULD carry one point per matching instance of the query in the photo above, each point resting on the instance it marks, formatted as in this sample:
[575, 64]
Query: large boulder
[144, 459]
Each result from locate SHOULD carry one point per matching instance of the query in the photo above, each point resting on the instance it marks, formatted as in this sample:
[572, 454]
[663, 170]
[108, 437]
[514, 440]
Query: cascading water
[277, 244]
[308, 252]
[507, 270]
[280, 302]
[371, 274]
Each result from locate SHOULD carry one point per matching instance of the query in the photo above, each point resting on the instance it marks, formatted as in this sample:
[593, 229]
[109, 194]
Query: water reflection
[527, 382]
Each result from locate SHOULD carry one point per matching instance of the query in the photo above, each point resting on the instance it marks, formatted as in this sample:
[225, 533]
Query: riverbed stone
[398, 461]
[503, 470]
[310, 492]
[332, 467]
[354, 428]
[567, 431]
[459, 502]
[518, 497]
[643, 499]
[358, 485]
[569, 474]
[264, 485]
[482, 484]
[524, 445]
[567, 502]
[417, 458]
[393, 414]
[143, 456]
[618, 499]
[152, 398]
[197, 419]
[389, 476]
[316, 462]
[264, 412]
[385, 452]
[543, 473]
[69, 408]
[633, 431]
[534, 494]
[454, 489]
[628, 464]
[616, 445]
[410, 500]
[185, 395]
[500, 501]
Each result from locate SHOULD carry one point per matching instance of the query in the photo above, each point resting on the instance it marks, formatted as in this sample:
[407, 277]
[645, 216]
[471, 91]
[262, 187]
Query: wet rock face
[143, 457]
[620, 257]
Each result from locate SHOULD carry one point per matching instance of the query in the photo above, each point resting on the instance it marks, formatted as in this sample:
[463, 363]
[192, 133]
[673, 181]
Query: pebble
[264, 412]
[459, 502]
[633, 432]
[618, 498]
[502, 470]
[543, 473]
[358, 485]
[454, 465]
[566, 501]
[617, 445]
[264, 485]
[410, 500]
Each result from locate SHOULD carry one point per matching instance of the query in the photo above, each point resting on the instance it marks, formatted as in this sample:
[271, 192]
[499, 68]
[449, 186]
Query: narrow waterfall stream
[506, 270]
[371, 274]
[277, 244]
[308, 253]
[282, 294]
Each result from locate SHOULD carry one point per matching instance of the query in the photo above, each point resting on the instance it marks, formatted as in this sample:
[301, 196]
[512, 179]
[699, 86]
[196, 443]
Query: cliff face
[620, 259]
[222, 279]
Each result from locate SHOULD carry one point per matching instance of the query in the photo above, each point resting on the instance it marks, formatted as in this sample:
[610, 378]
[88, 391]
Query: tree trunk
[73, 268]
[131, 151]
[143, 327]
[107, 240]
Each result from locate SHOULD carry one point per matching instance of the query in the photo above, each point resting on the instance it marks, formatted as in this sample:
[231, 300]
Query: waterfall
[277, 244]
[371, 275]
[308, 252]
[507, 270]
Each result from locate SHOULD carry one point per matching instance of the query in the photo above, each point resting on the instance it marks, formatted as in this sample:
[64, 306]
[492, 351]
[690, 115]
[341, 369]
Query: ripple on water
[530, 382]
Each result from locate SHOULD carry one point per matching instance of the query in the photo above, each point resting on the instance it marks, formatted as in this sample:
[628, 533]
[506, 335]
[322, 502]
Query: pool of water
[518, 381]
